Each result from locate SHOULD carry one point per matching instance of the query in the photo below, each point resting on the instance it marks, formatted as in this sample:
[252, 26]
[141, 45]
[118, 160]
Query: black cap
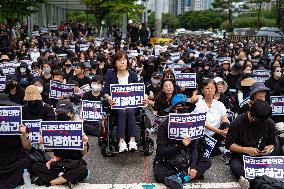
[64, 106]
[237, 66]
[156, 74]
[87, 64]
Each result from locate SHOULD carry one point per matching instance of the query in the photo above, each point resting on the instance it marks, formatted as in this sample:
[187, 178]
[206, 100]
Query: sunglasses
[169, 76]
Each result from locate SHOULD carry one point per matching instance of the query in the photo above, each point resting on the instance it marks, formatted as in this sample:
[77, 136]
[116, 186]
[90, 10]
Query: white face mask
[46, 70]
[40, 89]
[23, 70]
[155, 81]
[96, 88]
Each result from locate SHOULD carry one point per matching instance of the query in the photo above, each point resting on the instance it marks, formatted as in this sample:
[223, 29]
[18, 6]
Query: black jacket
[46, 113]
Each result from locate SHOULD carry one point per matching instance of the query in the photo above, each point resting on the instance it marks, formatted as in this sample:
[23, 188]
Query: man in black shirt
[80, 79]
[252, 134]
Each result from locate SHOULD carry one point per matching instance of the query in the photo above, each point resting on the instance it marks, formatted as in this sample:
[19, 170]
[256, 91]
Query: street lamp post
[158, 18]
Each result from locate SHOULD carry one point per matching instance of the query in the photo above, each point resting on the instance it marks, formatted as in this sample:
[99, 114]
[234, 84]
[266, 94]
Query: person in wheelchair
[178, 162]
[121, 74]
[96, 94]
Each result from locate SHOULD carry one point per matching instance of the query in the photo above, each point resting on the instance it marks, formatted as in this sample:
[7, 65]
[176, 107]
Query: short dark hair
[118, 55]
[260, 109]
[206, 81]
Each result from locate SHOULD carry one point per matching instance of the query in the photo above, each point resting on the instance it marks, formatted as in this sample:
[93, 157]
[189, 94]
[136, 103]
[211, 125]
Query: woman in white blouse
[217, 122]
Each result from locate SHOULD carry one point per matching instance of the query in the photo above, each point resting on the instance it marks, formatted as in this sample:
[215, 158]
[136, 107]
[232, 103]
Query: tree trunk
[258, 15]
[230, 20]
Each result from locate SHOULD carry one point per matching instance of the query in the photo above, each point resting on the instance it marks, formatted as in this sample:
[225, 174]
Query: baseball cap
[64, 106]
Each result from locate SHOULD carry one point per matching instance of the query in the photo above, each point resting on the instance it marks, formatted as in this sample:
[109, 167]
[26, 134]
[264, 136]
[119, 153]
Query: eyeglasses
[169, 76]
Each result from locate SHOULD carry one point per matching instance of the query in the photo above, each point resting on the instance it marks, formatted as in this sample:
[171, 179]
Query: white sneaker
[123, 147]
[132, 146]
[244, 183]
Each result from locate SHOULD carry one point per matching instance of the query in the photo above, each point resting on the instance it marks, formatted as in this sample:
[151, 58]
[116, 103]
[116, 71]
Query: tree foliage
[201, 19]
[169, 21]
[280, 13]
[259, 4]
[101, 8]
[226, 5]
[14, 11]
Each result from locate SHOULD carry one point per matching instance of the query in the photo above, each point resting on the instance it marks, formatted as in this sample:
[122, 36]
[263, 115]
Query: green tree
[13, 11]
[201, 19]
[259, 4]
[226, 5]
[101, 8]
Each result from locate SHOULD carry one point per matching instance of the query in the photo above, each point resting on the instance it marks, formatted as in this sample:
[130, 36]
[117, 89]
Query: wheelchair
[108, 134]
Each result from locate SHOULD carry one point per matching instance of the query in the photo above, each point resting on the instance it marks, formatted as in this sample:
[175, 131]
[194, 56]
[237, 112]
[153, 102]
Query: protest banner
[261, 75]
[92, 110]
[84, 47]
[9, 68]
[272, 166]
[277, 103]
[34, 128]
[35, 73]
[186, 125]
[210, 144]
[186, 80]
[230, 116]
[127, 96]
[177, 68]
[10, 119]
[62, 135]
[2, 83]
[59, 90]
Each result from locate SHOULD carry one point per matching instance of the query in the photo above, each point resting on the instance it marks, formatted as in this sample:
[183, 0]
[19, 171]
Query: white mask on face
[40, 89]
[155, 81]
[23, 70]
[96, 88]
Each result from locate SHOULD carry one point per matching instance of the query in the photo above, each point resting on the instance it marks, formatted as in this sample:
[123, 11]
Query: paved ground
[129, 168]
[127, 171]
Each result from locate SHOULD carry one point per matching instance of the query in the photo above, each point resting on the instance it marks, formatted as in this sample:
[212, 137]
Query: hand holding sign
[186, 141]
[23, 129]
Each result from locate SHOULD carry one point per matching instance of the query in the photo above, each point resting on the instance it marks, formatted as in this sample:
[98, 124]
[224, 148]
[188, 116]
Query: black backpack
[265, 182]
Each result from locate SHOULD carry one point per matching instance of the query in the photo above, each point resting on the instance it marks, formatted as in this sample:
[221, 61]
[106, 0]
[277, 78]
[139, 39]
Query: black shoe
[37, 181]
[71, 185]
[173, 182]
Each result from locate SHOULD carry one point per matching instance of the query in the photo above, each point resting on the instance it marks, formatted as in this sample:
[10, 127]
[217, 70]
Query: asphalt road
[130, 168]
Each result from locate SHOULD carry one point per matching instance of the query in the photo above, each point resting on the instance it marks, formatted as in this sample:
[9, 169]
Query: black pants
[47, 175]
[11, 175]
[237, 167]
[162, 170]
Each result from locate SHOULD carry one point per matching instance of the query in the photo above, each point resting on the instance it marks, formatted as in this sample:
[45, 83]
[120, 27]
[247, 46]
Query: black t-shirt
[150, 87]
[45, 80]
[68, 154]
[83, 81]
[89, 96]
[245, 134]
[11, 148]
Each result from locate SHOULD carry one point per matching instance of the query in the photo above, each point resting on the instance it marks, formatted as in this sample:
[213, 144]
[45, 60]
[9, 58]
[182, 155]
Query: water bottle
[27, 179]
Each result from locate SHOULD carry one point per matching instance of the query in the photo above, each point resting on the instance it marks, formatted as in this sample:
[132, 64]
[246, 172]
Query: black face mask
[35, 105]
[63, 117]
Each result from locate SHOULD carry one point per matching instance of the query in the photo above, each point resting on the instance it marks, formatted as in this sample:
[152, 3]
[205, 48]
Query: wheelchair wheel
[107, 151]
[148, 147]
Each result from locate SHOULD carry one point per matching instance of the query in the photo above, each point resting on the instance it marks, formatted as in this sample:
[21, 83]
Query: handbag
[37, 155]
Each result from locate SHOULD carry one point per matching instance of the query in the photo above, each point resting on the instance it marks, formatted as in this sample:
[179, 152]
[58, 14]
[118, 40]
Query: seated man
[252, 133]
[168, 167]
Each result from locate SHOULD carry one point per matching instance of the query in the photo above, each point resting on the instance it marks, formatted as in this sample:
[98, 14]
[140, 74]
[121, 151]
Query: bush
[248, 22]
